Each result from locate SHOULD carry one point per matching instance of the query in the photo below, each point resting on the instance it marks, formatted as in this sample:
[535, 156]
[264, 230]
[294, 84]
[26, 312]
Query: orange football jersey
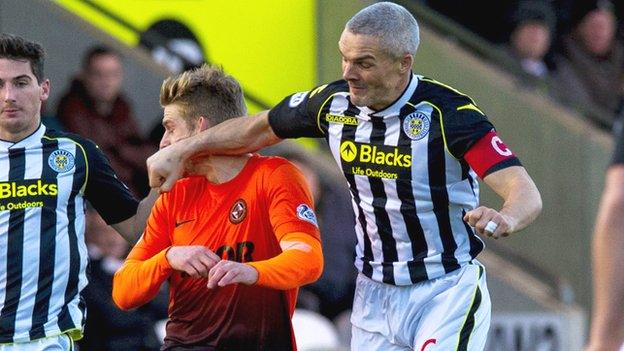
[241, 220]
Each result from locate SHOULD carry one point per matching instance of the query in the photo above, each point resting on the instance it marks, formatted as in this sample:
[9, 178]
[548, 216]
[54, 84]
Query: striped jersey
[405, 167]
[44, 182]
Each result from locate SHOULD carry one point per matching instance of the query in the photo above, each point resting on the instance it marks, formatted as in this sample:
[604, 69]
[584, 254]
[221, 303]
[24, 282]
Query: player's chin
[359, 100]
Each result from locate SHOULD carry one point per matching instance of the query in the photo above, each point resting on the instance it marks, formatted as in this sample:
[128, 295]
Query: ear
[45, 90]
[406, 63]
[202, 123]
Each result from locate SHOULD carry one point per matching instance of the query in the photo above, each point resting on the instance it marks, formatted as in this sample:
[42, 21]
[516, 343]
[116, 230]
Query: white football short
[451, 312]
[54, 343]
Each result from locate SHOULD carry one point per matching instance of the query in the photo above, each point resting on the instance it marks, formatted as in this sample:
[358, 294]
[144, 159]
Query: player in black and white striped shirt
[45, 178]
[411, 149]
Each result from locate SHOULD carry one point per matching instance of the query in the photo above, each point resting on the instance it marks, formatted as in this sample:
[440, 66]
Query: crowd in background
[575, 47]
[572, 49]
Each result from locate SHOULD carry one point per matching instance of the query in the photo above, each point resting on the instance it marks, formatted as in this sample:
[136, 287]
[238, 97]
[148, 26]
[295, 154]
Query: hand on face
[164, 168]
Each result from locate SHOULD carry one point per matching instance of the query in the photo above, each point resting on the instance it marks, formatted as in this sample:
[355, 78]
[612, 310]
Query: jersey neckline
[33, 139]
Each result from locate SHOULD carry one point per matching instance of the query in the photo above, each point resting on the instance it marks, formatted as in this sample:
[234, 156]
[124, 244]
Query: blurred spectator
[530, 40]
[333, 292]
[107, 327]
[590, 69]
[95, 108]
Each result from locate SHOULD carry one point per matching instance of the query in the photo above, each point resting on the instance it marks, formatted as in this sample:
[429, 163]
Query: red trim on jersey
[430, 341]
[486, 153]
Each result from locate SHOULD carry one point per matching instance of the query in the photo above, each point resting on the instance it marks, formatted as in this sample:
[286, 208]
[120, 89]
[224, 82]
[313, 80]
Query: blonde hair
[205, 91]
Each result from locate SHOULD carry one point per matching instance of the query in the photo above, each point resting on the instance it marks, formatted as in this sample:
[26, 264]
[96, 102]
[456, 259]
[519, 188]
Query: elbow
[120, 301]
[538, 204]
[613, 200]
[119, 295]
[315, 269]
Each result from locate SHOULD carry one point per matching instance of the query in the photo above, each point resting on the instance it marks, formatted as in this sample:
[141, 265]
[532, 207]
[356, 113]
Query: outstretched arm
[232, 137]
[607, 326]
[132, 227]
[522, 203]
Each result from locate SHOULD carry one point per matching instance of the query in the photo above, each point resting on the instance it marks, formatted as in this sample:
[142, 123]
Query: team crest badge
[61, 161]
[238, 211]
[307, 214]
[416, 125]
[297, 99]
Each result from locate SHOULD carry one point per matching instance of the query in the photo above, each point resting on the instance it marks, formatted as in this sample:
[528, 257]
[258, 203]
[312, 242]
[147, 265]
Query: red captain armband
[490, 154]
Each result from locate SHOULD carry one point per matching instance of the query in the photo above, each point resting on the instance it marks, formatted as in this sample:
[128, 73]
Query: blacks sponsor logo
[25, 194]
[378, 161]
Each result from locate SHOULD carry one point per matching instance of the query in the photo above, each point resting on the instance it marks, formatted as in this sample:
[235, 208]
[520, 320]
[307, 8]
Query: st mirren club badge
[238, 211]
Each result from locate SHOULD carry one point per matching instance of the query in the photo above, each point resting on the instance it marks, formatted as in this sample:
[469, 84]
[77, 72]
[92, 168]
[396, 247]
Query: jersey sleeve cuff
[502, 165]
[296, 226]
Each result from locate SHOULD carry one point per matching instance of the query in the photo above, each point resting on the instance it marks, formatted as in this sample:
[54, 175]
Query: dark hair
[535, 11]
[93, 52]
[13, 47]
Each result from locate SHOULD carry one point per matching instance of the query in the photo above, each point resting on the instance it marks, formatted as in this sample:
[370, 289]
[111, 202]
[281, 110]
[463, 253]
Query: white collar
[32, 139]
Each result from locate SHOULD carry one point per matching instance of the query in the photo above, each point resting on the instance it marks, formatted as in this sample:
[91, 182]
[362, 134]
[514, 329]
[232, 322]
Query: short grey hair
[393, 24]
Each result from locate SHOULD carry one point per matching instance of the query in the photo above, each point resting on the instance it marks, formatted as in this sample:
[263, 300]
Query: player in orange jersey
[235, 241]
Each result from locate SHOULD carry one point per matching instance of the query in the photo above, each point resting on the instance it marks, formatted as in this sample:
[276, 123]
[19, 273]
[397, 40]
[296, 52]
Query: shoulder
[269, 163]
[184, 188]
[442, 95]
[92, 154]
[339, 86]
[320, 93]
[274, 168]
[189, 183]
[79, 141]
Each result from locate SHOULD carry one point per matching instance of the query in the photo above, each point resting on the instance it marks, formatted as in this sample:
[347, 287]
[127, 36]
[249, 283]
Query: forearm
[292, 268]
[132, 228]
[231, 137]
[523, 204]
[608, 263]
[137, 281]
[143, 212]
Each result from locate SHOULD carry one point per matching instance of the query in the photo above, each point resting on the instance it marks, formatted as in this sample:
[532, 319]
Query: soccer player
[45, 178]
[235, 241]
[411, 149]
[607, 325]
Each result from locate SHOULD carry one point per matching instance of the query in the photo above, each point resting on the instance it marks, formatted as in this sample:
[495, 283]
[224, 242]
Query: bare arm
[522, 203]
[607, 326]
[132, 228]
[232, 137]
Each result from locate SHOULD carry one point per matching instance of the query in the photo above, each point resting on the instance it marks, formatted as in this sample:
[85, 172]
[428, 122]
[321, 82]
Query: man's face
[373, 75]
[20, 96]
[103, 78]
[176, 128]
[597, 31]
[531, 40]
